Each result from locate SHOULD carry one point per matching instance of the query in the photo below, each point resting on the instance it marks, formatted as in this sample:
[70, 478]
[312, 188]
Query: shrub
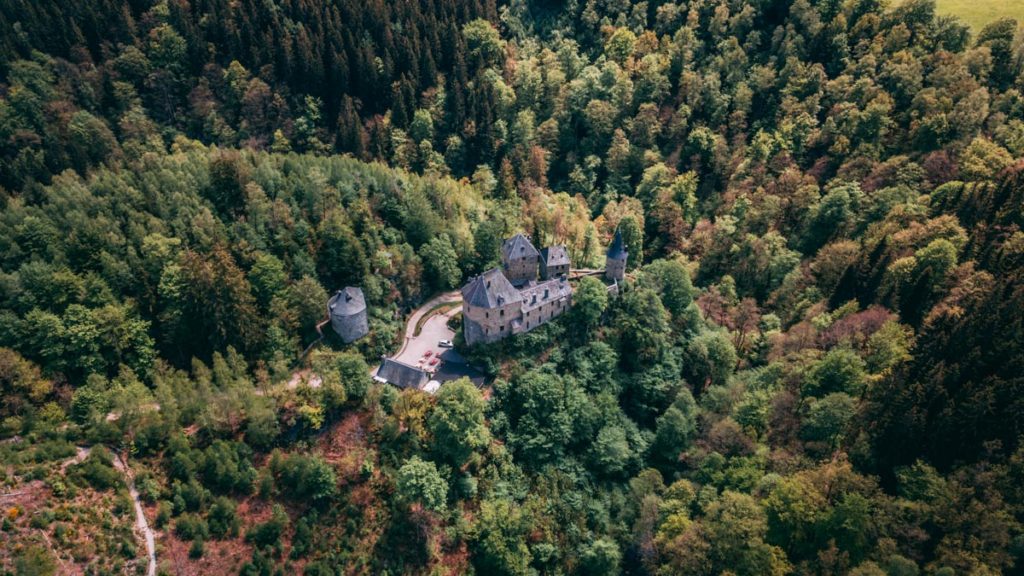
[197, 549]
[97, 470]
[191, 526]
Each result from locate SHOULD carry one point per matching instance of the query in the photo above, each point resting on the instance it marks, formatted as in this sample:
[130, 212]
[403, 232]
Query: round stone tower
[347, 310]
[615, 264]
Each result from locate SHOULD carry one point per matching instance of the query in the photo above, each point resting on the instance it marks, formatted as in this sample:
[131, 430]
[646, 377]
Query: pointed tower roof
[518, 246]
[490, 290]
[617, 250]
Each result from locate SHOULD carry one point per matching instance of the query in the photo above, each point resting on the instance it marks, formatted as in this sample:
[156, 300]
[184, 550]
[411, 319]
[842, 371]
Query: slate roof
[346, 302]
[518, 246]
[490, 290]
[617, 251]
[533, 295]
[402, 375]
[555, 256]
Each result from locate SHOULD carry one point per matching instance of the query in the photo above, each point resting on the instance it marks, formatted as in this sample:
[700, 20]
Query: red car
[433, 362]
[428, 353]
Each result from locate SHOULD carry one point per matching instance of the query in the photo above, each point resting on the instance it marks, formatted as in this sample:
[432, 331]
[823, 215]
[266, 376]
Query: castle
[511, 300]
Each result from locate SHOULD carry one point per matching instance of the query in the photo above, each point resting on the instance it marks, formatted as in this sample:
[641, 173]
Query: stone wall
[543, 313]
[615, 269]
[489, 324]
[519, 270]
[351, 328]
[548, 272]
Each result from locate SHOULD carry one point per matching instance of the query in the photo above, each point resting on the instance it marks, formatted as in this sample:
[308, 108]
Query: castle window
[502, 328]
[502, 313]
[487, 314]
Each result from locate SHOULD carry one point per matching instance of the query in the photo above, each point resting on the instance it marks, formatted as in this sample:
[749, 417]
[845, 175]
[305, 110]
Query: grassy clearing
[978, 13]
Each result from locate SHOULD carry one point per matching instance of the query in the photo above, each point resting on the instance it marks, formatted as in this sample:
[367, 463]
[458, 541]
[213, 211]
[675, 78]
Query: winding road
[434, 329]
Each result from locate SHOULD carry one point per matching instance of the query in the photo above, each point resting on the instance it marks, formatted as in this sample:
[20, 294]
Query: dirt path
[141, 524]
[81, 453]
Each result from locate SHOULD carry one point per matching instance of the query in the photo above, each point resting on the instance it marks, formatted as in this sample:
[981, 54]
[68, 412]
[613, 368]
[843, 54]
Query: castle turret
[347, 310]
[519, 260]
[615, 263]
[554, 262]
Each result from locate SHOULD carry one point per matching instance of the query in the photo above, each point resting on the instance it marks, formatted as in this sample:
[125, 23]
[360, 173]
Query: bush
[227, 467]
[190, 497]
[190, 527]
[223, 518]
[35, 561]
[269, 532]
[197, 549]
[97, 470]
[163, 514]
[305, 477]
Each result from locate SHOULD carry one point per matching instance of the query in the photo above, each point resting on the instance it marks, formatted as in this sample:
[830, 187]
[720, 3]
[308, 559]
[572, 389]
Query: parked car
[433, 362]
[445, 344]
[428, 353]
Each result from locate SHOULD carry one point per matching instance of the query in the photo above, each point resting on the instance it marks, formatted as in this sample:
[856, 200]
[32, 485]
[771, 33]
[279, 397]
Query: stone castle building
[510, 300]
[519, 260]
[493, 307]
[554, 262]
[347, 310]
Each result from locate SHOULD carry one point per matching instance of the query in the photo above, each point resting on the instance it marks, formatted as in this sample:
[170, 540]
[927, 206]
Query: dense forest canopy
[815, 365]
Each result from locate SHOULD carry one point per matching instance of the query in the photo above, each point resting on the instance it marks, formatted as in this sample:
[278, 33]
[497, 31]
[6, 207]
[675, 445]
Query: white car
[445, 344]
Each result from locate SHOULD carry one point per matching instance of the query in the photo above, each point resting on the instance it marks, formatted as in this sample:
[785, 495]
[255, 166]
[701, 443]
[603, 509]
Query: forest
[814, 367]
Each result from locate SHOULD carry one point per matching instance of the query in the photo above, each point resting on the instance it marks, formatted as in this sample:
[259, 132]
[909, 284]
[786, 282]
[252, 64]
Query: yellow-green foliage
[978, 13]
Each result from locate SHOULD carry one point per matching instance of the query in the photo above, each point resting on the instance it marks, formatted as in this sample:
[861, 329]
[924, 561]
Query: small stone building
[615, 262]
[347, 311]
[519, 260]
[554, 262]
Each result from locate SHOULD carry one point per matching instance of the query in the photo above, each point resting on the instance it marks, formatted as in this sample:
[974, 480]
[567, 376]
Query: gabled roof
[402, 375]
[555, 256]
[346, 302]
[617, 250]
[490, 290]
[518, 246]
[556, 289]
